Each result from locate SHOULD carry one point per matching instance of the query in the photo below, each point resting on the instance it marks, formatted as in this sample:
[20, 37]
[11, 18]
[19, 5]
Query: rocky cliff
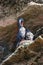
[33, 15]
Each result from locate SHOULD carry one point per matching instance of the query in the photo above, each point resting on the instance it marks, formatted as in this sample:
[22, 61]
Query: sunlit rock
[25, 51]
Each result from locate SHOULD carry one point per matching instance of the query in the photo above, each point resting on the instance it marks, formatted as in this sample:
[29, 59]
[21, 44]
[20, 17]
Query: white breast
[22, 31]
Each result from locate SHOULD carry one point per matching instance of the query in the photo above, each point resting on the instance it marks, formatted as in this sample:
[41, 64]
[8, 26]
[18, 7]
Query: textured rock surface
[9, 7]
[29, 52]
[33, 16]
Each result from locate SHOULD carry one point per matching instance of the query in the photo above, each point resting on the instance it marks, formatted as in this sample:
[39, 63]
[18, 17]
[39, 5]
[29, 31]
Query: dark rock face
[1, 53]
[7, 39]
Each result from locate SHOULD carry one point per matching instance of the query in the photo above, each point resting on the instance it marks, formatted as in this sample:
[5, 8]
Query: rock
[10, 7]
[1, 53]
[33, 15]
[8, 35]
[7, 38]
[25, 51]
